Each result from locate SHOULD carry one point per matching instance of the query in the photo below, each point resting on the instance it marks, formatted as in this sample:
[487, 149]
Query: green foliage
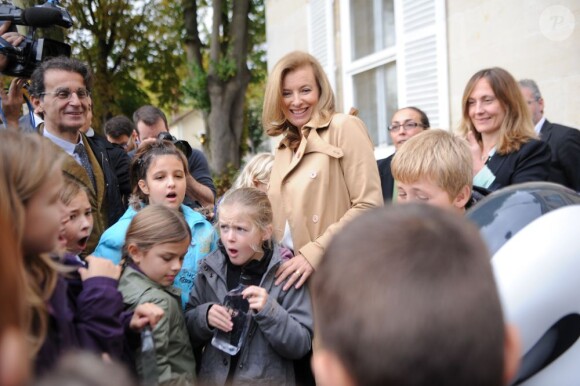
[134, 49]
[195, 88]
[224, 180]
[225, 68]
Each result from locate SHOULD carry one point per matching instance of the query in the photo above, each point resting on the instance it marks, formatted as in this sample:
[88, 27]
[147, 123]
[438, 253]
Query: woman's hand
[256, 296]
[296, 270]
[146, 314]
[476, 152]
[100, 267]
[219, 317]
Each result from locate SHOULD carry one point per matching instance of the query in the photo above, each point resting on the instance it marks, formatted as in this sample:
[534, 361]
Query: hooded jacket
[279, 334]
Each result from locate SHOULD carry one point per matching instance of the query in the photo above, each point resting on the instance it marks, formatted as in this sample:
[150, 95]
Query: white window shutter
[321, 36]
[423, 59]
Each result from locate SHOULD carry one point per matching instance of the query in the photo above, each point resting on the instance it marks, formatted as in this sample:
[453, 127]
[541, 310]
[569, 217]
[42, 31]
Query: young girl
[30, 183]
[281, 326]
[57, 318]
[78, 219]
[158, 176]
[157, 240]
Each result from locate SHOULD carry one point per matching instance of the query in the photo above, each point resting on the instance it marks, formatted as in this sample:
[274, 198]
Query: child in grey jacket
[281, 325]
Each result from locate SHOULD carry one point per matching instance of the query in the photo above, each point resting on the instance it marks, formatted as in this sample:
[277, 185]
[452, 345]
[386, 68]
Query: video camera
[23, 59]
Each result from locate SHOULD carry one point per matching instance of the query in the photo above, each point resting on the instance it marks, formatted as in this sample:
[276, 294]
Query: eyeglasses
[66, 93]
[406, 126]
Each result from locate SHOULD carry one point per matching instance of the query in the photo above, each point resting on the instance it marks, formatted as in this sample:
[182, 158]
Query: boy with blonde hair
[434, 167]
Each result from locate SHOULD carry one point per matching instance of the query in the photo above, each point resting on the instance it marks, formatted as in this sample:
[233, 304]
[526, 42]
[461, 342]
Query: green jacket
[175, 361]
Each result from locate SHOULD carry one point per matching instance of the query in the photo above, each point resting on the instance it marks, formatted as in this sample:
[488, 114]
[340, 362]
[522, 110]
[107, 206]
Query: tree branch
[214, 53]
[193, 43]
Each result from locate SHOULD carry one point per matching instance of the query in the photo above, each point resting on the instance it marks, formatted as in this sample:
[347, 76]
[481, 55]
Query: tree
[134, 49]
[220, 70]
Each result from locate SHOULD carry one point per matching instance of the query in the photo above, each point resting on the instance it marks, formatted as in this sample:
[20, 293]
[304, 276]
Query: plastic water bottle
[231, 342]
[148, 358]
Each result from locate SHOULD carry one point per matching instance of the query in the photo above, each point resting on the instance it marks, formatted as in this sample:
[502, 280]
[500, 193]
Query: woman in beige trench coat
[324, 171]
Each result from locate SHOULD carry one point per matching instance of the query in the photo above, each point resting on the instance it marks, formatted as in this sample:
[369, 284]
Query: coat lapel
[546, 131]
[97, 171]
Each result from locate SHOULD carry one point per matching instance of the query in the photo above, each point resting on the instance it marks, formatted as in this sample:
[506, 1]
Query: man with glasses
[60, 91]
[406, 123]
[564, 141]
[120, 131]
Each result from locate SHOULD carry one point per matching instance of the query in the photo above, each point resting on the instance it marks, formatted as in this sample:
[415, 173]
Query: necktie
[82, 153]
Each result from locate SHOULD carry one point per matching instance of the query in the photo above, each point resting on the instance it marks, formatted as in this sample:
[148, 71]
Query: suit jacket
[387, 180]
[564, 142]
[530, 163]
[114, 163]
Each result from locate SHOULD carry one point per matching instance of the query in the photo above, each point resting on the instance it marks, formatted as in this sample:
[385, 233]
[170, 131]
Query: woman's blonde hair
[142, 161]
[26, 162]
[156, 224]
[516, 128]
[257, 169]
[273, 119]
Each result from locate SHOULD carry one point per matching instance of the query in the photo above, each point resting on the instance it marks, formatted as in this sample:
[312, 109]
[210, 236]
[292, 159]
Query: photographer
[150, 123]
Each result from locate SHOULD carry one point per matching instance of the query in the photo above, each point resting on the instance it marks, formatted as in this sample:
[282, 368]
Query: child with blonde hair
[280, 328]
[78, 217]
[155, 245]
[434, 167]
[256, 173]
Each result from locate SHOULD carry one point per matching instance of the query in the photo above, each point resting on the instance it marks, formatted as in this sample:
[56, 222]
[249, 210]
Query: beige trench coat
[332, 178]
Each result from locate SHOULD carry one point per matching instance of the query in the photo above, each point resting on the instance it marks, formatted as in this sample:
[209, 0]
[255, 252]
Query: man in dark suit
[563, 140]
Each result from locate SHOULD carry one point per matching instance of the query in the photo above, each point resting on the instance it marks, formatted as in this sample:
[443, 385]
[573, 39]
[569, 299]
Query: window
[370, 88]
[394, 55]
[372, 26]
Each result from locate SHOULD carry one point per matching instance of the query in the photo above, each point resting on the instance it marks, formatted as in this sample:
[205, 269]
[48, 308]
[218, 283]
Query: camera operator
[150, 121]
[12, 99]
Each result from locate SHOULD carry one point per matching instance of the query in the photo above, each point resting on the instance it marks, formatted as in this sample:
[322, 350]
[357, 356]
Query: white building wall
[529, 38]
[286, 28]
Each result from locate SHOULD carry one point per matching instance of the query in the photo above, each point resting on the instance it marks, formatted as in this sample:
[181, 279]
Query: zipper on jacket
[245, 350]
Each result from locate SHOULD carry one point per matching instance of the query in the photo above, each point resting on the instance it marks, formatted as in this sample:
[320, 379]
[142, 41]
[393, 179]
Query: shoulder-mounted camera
[24, 58]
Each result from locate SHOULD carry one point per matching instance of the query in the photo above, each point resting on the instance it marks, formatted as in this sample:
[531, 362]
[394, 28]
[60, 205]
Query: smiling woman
[324, 170]
[498, 126]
